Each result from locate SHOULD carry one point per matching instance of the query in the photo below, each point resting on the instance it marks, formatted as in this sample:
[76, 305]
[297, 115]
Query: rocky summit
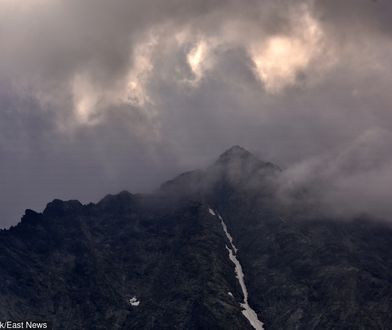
[211, 249]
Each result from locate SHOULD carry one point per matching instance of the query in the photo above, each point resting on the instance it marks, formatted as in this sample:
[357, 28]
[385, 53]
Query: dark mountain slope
[302, 271]
[78, 266]
[314, 274]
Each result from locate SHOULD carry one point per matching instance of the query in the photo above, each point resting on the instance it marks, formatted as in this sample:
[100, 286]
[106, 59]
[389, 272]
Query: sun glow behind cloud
[280, 58]
[133, 90]
[85, 99]
[196, 59]
[90, 98]
[136, 90]
[184, 56]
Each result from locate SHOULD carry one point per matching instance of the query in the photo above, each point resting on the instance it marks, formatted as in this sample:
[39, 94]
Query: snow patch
[134, 302]
[230, 294]
[211, 212]
[248, 312]
[228, 235]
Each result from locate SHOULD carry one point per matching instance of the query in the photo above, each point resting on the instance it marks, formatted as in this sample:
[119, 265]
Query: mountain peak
[235, 152]
[235, 165]
[239, 156]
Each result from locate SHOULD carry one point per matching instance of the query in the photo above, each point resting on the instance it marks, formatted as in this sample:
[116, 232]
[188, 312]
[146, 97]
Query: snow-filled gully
[247, 311]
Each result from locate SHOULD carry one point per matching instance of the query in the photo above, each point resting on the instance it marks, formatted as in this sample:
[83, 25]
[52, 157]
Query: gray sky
[98, 96]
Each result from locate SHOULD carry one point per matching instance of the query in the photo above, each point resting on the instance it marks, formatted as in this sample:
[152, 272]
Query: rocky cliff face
[80, 266]
[160, 261]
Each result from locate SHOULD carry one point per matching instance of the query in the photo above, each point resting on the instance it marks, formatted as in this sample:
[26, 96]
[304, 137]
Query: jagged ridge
[78, 265]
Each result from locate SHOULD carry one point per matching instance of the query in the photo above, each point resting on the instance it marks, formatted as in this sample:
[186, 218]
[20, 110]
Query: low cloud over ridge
[100, 96]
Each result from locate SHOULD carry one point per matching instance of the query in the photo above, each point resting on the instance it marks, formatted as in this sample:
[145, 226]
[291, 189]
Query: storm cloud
[99, 96]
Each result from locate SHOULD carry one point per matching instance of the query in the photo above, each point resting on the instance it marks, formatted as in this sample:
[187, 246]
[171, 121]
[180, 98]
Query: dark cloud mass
[99, 96]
